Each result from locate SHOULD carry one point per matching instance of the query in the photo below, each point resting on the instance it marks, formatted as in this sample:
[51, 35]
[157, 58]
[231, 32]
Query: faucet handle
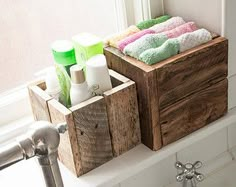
[188, 171]
[199, 177]
[180, 177]
[179, 165]
[197, 165]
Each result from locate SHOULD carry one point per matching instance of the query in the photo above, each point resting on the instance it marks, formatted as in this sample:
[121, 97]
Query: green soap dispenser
[64, 56]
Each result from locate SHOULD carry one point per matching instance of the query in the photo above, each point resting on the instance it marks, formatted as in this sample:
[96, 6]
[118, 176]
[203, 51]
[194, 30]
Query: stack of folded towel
[155, 40]
[149, 41]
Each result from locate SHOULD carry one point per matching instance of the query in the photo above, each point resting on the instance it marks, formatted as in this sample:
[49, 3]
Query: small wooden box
[99, 129]
[179, 95]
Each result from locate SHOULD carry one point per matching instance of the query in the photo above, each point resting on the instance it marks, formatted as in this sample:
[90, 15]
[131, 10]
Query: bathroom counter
[28, 174]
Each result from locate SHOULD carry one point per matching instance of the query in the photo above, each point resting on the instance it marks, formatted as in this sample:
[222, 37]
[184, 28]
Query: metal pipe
[42, 140]
[51, 170]
[10, 154]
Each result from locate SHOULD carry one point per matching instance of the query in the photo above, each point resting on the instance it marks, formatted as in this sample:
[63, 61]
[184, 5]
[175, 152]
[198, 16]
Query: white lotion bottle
[97, 74]
[79, 91]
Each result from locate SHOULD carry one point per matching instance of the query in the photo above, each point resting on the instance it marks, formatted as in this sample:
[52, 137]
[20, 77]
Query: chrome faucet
[42, 140]
[188, 175]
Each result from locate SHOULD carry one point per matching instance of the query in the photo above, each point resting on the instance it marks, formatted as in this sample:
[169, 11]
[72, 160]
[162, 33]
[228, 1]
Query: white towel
[168, 25]
[193, 39]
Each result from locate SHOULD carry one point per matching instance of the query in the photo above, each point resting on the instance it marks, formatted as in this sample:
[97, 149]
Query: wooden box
[99, 129]
[179, 95]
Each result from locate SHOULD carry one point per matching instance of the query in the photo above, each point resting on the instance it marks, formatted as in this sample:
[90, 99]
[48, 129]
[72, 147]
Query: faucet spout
[42, 140]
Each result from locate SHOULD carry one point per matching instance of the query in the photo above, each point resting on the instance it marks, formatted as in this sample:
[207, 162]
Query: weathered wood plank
[38, 101]
[146, 83]
[116, 78]
[68, 154]
[123, 117]
[91, 123]
[193, 112]
[192, 73]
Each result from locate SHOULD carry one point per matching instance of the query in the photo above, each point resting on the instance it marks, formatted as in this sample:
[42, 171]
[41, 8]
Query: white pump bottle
[79, 91]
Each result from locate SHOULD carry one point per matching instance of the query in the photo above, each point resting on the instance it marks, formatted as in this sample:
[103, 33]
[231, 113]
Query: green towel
[142, 44]
[169, 48]
[149, 23]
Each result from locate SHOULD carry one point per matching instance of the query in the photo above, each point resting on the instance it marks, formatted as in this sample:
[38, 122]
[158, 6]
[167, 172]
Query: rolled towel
[168, 25]
[149, 23]
[155, 40]
[170, 34]
[193, 39]
[142, 44]
[154, 55]
[132, 38]
[173, 46]
[113, 41]
[182, 29]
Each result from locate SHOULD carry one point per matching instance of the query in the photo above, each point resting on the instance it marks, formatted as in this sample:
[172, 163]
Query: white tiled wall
[214, 151]
[232, 136]
[230, 30]
[206, 149]
[160, 174]
[232, 92]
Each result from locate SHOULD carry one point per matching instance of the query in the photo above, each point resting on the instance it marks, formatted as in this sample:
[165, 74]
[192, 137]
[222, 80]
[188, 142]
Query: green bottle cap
[63, 52]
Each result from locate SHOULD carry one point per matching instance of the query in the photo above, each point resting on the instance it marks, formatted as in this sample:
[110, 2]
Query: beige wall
[206, 13]
[28, 27]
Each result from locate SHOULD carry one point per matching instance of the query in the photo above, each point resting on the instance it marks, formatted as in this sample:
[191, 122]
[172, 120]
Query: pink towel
[182, 29]
[123, 43]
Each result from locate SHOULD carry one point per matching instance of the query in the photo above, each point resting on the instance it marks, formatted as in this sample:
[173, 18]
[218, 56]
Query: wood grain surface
[145, 79]
[66, 152]
[193, 112]
[38, 100]
[116, 78]
[123, 117]
[192, 73]
[91, 123]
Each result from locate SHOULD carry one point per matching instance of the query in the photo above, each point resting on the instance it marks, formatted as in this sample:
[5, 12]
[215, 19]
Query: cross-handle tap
[189, 173]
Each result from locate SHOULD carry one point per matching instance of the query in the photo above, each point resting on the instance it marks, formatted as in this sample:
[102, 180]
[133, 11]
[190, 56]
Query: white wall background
[230, 32]
[207, 13]
[27, 28]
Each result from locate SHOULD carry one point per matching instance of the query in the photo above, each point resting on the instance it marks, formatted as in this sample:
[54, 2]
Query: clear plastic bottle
[52, 83]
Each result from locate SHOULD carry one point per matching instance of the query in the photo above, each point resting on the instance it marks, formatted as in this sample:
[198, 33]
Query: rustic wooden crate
[99, 129]
[179, 95]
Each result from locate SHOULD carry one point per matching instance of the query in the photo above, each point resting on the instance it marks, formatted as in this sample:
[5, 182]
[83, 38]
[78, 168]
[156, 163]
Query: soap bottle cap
[77, 74]
[63, 52]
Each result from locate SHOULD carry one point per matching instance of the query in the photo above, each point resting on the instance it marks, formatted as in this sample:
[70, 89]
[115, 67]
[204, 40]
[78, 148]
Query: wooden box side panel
[117, 79]
[194, 112]
[147, 94]
[66, 152]
[123, 117]
[92, 130]
[38, 100]
[192, 71]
